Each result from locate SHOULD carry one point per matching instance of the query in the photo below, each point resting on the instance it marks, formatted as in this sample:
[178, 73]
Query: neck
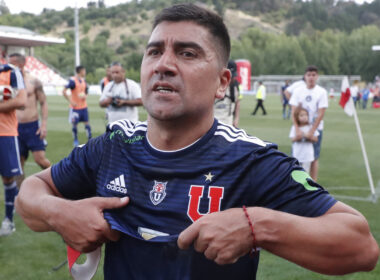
[176, 134]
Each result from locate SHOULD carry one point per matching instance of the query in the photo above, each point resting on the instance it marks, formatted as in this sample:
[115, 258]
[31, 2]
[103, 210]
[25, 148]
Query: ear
[224, 81]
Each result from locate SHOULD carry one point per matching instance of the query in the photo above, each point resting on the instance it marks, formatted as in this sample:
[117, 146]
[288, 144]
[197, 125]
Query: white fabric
[354, 90]
[295, 85]
[119, 91]
[303, 151]
[310, 99]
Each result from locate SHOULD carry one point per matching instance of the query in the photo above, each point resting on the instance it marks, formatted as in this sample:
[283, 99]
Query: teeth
[164, 89]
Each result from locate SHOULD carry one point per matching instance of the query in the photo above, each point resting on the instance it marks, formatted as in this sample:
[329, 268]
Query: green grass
[29, 255]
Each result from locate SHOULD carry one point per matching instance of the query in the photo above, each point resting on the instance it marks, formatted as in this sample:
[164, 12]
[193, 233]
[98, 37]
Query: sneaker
[76, 143]
[7, 227]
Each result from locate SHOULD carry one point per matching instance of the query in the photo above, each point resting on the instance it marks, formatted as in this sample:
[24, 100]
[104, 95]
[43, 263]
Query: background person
[313, 98]
[10, 165]
[121, 96]
[260, 98]
[78, 103]
[31, 133]
[302, 147]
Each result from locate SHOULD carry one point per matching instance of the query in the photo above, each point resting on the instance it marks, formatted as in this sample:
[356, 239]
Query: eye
[153, 52]
[187, 54]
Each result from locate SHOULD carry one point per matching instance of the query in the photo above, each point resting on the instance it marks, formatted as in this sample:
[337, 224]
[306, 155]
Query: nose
[166, 64]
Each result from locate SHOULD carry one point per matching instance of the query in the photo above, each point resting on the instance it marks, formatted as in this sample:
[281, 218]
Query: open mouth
[163, 89]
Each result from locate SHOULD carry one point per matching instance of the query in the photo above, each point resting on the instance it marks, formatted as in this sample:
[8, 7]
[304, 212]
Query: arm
[323, 244]
[68, 98]
[287, 94]
[105, 102]
[299, 133]
[321, 114]
[41, 97]
[80, 222]
[236, 113]
[18, 102]
[130, 102]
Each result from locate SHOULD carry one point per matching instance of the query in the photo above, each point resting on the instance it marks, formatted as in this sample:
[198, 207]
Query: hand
[222, 236]
[309, 135]
[42, 132]
[299, 133]
[81, 223]
[73, 104]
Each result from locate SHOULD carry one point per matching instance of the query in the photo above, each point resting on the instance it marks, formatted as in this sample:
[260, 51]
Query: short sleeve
[292, 132]
[75, 175]
[16, 80]
[283, 185]
[294, 99]
[323, 103]
[71, 84]
[135, 89]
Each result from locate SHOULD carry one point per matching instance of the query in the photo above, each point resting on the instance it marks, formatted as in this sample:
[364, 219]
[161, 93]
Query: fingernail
[124, 199]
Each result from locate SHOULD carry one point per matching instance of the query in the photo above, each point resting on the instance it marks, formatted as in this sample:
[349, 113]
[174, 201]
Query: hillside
[280, 36]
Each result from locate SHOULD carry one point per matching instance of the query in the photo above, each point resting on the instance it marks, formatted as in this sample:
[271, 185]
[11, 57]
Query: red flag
[345, 98]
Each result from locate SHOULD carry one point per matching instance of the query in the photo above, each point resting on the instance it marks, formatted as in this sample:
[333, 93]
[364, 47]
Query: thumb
[112, 202]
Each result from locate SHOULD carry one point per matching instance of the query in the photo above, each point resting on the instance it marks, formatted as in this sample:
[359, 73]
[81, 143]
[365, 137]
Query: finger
[188, 236]
[112, 235]
[210, 253]
[111, 202]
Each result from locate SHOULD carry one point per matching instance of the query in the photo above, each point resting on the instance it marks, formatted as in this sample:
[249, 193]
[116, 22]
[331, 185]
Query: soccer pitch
[28, 255]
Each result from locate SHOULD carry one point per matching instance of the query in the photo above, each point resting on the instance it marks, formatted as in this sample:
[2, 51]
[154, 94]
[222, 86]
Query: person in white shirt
[302, 147]
[314, 99]
[121, 96]
[290, 89]
[354, 90]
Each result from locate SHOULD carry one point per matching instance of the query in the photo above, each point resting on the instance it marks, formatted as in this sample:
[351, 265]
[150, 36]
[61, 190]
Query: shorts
[10, 165]
[78, 115]
[317, 145]
[28, 140]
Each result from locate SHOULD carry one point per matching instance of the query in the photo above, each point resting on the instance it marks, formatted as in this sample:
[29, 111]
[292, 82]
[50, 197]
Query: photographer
[121, 96]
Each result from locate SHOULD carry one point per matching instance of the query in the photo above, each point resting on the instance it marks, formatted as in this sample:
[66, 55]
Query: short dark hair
[311, 68]
[79, 68]
[210, 20]
[116, 63]
[19, 57]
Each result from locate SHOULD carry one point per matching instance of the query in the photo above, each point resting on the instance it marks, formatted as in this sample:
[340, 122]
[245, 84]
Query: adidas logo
[118, 185]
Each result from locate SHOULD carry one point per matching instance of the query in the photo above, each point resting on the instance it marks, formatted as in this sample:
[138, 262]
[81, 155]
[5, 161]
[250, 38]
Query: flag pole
[374, 198]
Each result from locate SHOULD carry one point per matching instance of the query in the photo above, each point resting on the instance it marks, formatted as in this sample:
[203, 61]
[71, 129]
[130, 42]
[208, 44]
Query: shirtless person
[31, 134]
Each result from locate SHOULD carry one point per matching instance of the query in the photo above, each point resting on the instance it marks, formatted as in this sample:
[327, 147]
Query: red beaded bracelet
[254, 249]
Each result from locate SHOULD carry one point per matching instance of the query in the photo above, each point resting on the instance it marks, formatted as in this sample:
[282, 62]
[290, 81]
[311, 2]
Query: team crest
[157, 194]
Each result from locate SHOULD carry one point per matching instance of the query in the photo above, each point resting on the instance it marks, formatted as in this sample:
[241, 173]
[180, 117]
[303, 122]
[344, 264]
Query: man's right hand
[81, 223]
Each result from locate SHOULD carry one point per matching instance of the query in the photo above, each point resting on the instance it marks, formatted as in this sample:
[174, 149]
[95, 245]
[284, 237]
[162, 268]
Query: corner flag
[345, 98]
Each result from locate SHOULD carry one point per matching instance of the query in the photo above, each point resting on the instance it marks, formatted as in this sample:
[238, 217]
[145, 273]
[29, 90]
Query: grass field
[28, 255]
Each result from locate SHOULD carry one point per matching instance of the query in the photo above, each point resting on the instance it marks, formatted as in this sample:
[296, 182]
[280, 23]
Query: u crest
[215, 195]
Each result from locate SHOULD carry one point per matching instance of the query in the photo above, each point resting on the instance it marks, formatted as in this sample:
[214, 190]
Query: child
[302, 147]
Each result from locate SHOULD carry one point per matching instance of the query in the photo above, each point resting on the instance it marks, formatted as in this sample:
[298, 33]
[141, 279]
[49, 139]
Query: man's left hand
[222, 236]
[42, 131]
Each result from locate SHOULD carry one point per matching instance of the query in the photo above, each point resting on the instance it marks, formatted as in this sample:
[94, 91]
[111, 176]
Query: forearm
[36, 202]
[105, 102]
[44, 114]
[131, 102]
[18, 102]
[336, 243]
[237, 113]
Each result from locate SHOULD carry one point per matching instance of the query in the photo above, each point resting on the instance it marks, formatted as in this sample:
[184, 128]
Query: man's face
[16, 62]
[311, 78]
[117, 73]
[181, 72]
[82, 73]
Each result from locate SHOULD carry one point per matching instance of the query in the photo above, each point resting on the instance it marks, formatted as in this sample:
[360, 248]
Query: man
[314, 99]
[227, 109]
[106, 79]
[9, 154]
[121, 96]
[31, 135]
[285, 101]
[78, 103]
[260, 97]
[290, 89]
[187, 177]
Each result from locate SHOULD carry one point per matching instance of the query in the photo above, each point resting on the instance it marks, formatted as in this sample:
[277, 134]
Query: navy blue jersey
[170, 190]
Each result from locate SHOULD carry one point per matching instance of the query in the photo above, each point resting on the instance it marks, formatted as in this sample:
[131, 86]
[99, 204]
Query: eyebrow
[177, 45]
